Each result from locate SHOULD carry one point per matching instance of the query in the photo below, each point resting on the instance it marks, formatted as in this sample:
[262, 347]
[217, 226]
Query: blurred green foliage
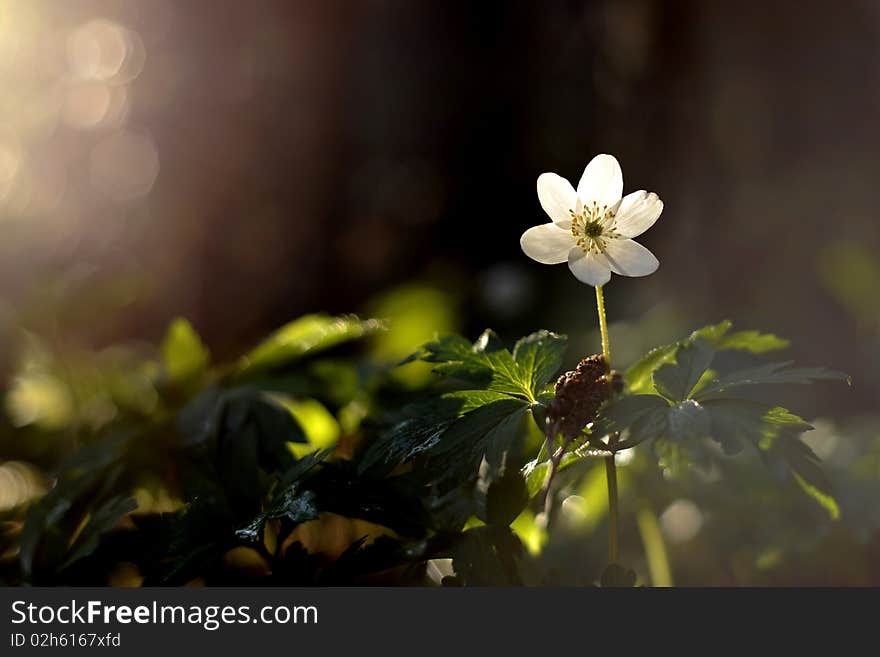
[851, 273]
[310, 459]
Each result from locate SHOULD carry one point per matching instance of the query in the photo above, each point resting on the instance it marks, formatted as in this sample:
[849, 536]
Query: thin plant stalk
[655, 547]
[610, 465]
[550, 432]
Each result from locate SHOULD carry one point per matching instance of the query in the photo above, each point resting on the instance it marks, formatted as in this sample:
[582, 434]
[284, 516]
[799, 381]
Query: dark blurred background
[244, 163]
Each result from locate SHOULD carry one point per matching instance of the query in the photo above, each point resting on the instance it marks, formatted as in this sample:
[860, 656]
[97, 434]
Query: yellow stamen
[592, 227]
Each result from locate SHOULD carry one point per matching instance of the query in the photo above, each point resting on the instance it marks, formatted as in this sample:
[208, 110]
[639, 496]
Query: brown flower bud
[580, 393]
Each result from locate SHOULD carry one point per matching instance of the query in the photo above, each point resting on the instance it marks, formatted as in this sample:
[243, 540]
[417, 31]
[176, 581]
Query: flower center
[593, 229]
[592, 226]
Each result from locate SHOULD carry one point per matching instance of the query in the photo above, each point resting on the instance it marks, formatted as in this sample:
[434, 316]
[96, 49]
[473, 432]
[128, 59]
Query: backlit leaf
[753, 342]
[539, 357]
[675, 381]
[302, 337]
[767, 374]
[184, 356]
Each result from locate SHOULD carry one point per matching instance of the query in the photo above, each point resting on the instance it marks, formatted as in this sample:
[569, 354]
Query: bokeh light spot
[97, 50]
[19, 483]
[124, 166]
[681, 521]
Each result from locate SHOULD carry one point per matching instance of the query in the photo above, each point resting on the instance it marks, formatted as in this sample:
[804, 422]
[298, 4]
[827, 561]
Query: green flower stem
[610, 465]
[603, 325]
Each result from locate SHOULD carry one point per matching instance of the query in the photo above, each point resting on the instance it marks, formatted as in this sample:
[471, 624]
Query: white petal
[637, 213]
[629, 258]
[590, 268]
[602, 181]
[557, 197]
[548, 243]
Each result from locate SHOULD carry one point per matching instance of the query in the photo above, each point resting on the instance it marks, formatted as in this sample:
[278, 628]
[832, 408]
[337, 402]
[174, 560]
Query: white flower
[592, 227]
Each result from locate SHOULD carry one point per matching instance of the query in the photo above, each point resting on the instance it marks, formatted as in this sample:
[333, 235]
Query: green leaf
[411, 436]
[753, 342]
[245, 434]
[735, 422]
[302, 467]
[638, 377]
[184, 356]
[495, 370]
[295, 507]
[781, 421]
[488, 342]
[473, 427]
[539, 357]
[504, 445]
[687, 421]
[508, 377]
[767, 374]
[488, 556]
[504, 500]
[718, 336]
[644, 416]
[421, 428]
[676, 381]
[535, 471]
[395, 502]
[454, 350]
[466, 401]
[489, 431]
[451, 347]
[776, 431]
[456, 430]
[291, 503]
[183, 544]
[731, 422]
[676, 458]
[102, 520]
[218, 411]
[89, 478]
[303, 337]
[486, 365]
[804, 462]
[825, 500]
[319, 425]
[807, 470]
[711, 334]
